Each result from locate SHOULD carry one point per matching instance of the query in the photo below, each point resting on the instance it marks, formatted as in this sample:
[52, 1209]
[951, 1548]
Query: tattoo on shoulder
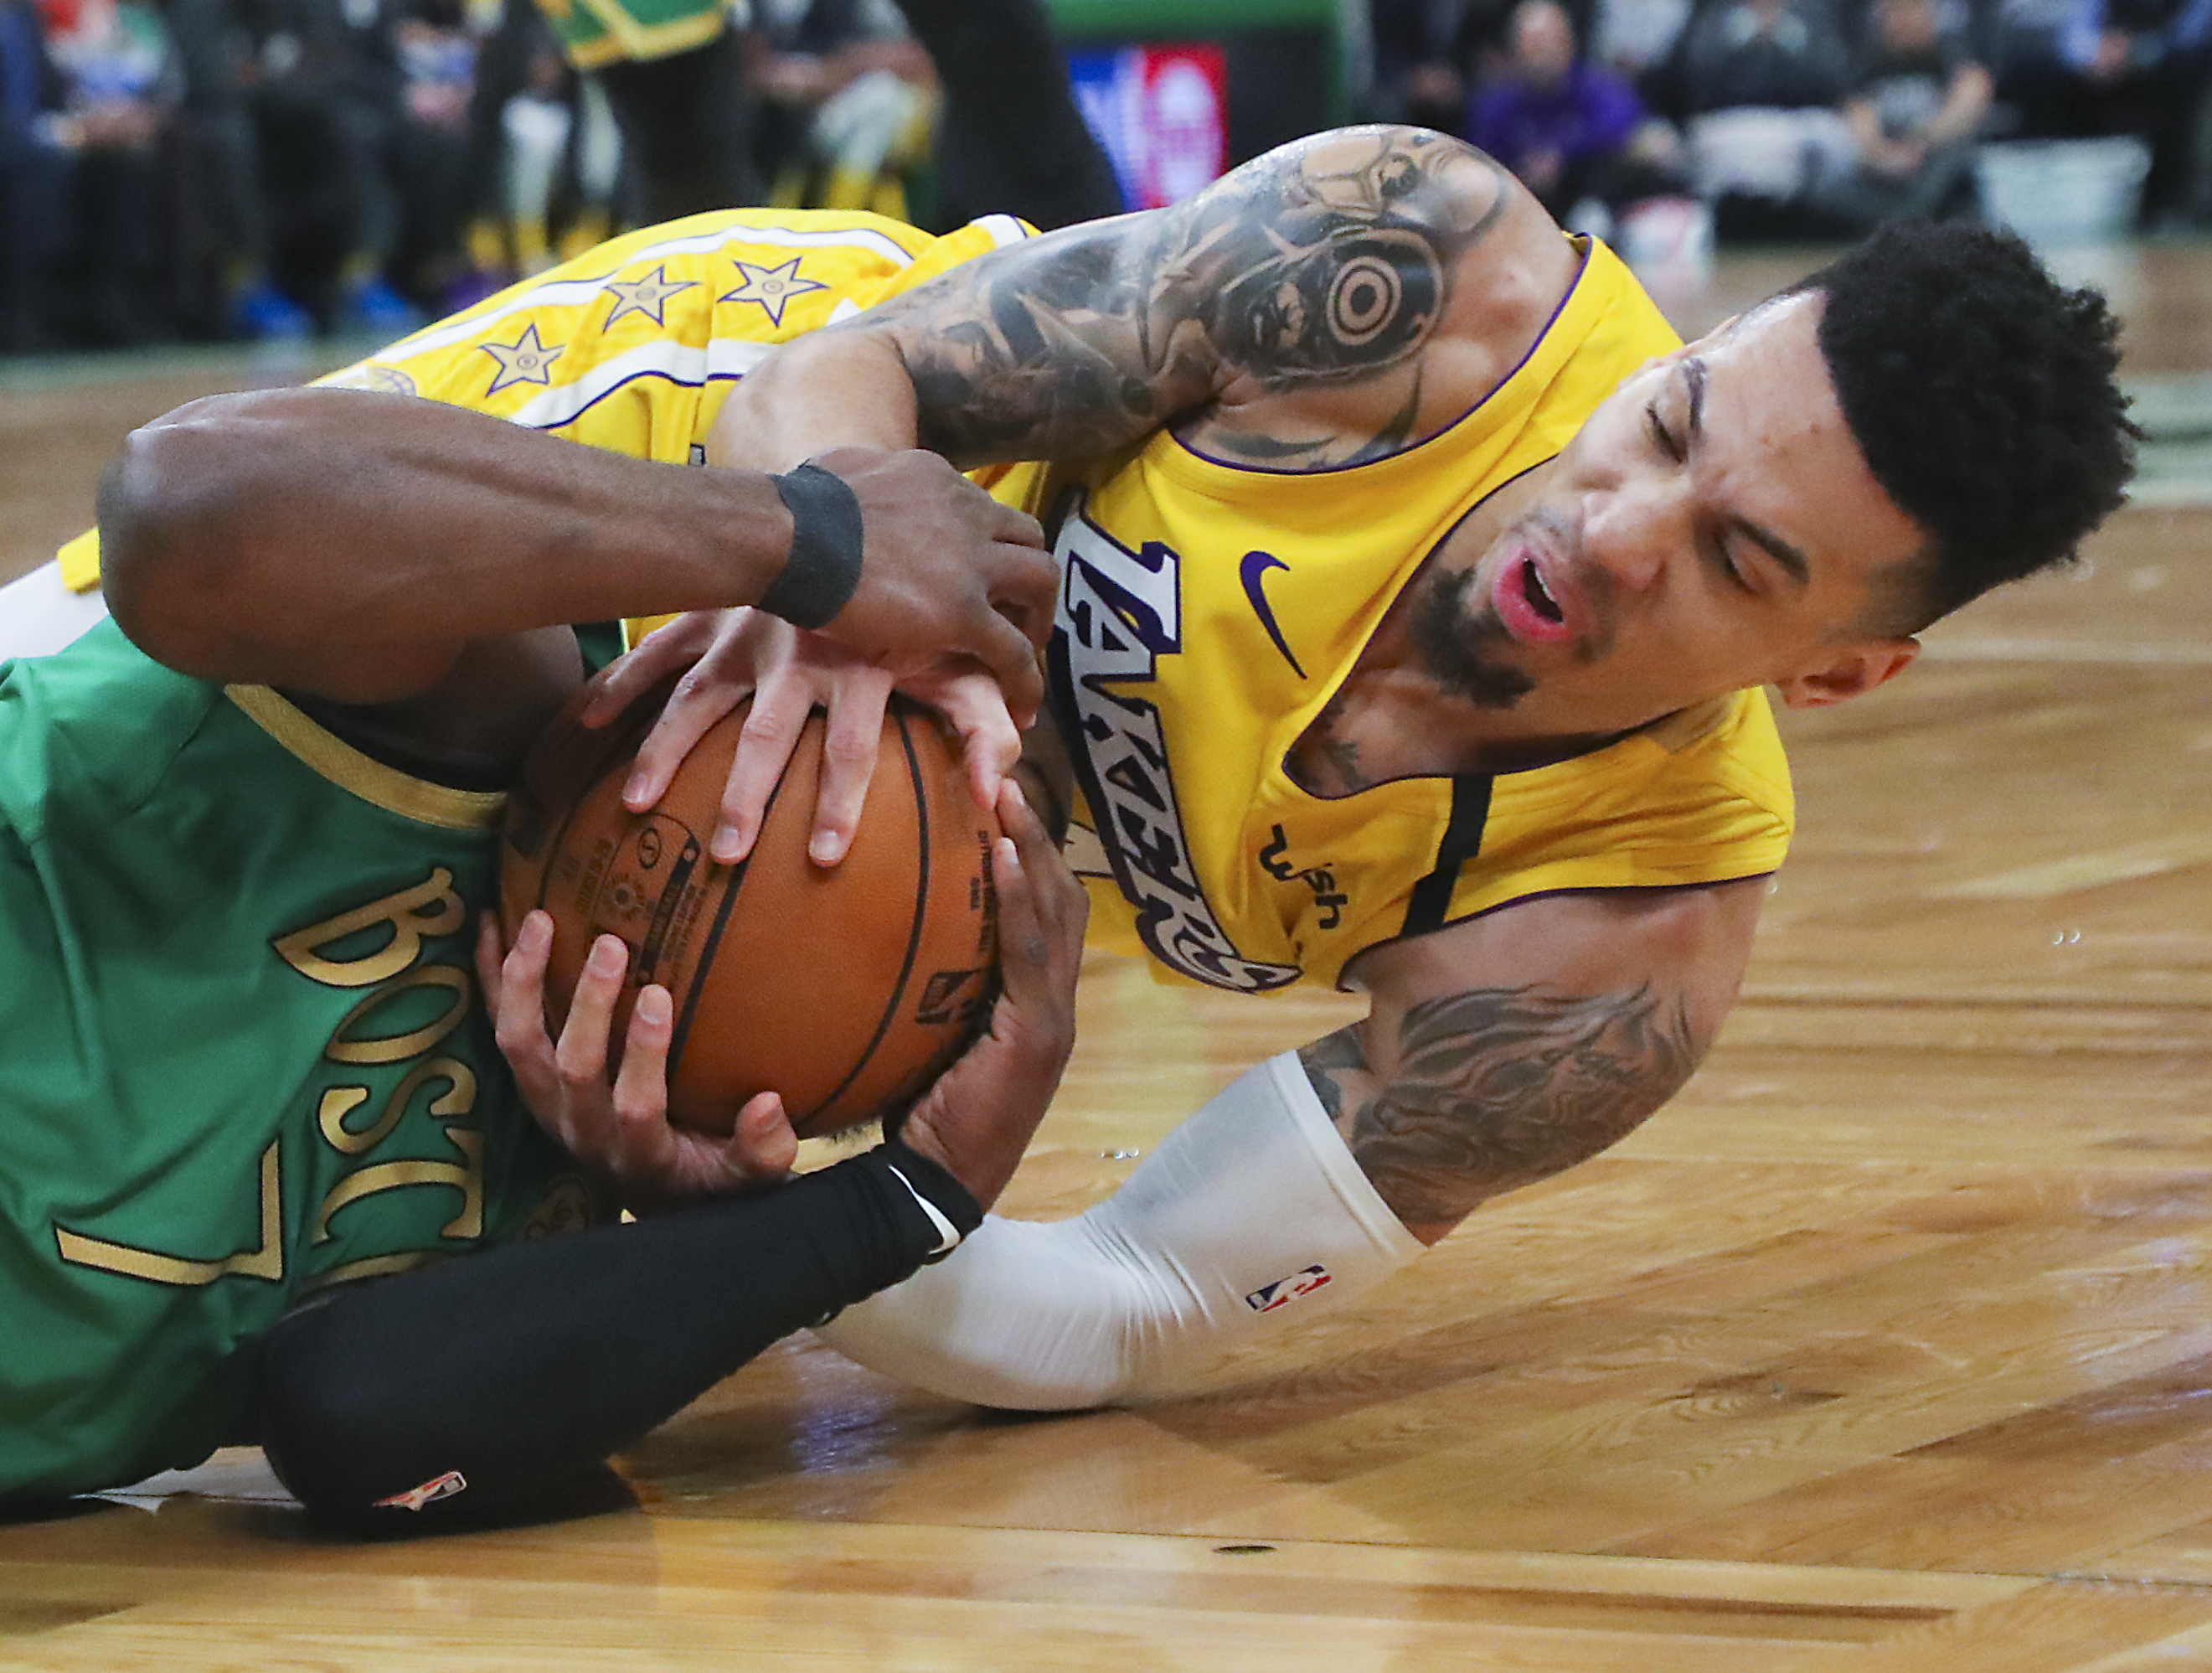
[1498, 1087]
[1327, 261]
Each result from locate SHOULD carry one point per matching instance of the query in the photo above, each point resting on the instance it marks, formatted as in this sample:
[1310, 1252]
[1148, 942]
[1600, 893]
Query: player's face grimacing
[1712, 527]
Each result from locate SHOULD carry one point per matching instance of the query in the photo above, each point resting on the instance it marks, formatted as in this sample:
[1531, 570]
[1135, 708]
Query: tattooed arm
[1506, 1048]
[1331, 302]
[1335, 298]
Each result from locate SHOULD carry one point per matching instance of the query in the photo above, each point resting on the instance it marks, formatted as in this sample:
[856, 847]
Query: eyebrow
[1793, 561]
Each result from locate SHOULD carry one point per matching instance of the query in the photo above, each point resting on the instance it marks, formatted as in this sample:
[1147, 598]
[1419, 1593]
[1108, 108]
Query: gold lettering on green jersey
[429, 907]
[458, 1099]
[467, 1175]
[398, 1048]
[266, 1262]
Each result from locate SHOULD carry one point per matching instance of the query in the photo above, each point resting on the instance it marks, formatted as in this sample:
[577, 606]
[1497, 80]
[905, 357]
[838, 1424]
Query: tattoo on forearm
[1498, 1087]
[1330, 261]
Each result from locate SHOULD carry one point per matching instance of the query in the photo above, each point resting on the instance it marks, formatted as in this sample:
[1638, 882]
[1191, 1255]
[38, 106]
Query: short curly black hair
[1982, 395]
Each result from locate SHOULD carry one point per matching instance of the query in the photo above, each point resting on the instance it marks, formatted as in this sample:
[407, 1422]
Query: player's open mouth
[1526, 604]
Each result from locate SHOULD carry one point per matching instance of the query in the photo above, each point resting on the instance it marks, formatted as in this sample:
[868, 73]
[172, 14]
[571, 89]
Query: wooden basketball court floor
[1888, 1345]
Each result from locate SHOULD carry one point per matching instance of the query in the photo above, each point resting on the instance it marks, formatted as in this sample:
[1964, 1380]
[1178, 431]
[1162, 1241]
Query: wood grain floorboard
[1888, 1345]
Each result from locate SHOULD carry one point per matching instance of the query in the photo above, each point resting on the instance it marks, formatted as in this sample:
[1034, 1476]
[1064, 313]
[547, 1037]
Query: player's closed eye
[1662, 437]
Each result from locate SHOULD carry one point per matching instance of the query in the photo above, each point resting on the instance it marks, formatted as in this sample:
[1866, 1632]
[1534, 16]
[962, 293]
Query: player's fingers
[581, 1053]
[763, 1147]
[702, 697]
[1006, 650]
[517, 1013]
[1027, 576]
[657, 656]
[975, 708]
[1041, 909]
[850, 742]
[1024, 948]
[641, 1089]
[519, 1006]
[772, 729]
[1056, 894]
[673, 736]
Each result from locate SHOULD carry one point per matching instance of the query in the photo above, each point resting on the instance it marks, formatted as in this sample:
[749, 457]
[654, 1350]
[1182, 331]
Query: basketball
[846, 988]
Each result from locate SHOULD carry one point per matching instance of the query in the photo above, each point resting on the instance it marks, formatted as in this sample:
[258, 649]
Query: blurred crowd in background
[241, 170]
[1802, 120]
[210, 170]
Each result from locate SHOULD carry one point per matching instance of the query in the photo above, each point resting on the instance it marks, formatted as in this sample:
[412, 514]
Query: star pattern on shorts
[647, 295]
[526, 360]
[772, 287]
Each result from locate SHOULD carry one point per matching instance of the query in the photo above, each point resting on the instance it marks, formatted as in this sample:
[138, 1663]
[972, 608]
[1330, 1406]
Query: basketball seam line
[917, 922]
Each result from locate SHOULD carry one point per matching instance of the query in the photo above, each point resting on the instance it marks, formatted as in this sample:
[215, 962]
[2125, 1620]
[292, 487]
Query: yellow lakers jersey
[635, 345]
[1209, 612]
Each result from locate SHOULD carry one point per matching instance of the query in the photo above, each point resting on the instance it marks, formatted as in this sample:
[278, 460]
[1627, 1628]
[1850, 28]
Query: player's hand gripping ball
[846, 990]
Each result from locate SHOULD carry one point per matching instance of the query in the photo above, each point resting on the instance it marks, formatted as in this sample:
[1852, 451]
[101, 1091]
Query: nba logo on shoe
[1284, 1291]
[438, 1486]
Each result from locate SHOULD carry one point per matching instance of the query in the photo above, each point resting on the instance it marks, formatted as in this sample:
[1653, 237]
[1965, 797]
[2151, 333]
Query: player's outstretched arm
[355, 545]
[1354, 285]
[1498, 1052]
[490, 1386]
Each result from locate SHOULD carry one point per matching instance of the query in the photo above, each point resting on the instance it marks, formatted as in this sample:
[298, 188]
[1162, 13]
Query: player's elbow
[163, 503]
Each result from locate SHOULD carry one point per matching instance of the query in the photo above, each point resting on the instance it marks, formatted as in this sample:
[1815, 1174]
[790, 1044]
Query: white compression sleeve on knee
[1246, 1216]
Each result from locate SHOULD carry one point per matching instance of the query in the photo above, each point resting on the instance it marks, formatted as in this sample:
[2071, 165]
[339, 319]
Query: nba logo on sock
[1284, 1291]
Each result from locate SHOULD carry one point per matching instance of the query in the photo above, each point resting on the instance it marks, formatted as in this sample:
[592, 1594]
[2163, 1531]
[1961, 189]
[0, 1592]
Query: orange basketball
[846, 988]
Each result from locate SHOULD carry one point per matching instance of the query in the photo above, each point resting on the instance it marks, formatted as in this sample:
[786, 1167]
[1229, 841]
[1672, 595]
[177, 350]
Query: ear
[1849, 670]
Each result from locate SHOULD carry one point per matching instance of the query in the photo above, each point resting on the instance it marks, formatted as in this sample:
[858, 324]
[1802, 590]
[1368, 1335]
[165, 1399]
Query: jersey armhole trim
[333, 759]
[1410, 934]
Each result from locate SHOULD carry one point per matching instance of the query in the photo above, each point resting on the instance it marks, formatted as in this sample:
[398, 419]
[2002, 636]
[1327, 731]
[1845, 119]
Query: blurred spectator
[1635, 36]
[433, 149]
[1417, 75]
[1009, 139]
[1760, 54]
[120, 84]
[849, 97]
[1573, 131]
[676, 76]
[34, 178]
[324, 84]
[548, 188]
[221, 260]
[1915, 114]
[1758, 86]
[2119, 66]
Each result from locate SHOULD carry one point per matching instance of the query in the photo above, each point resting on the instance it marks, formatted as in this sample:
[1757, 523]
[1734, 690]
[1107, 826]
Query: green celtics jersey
[245, 1058]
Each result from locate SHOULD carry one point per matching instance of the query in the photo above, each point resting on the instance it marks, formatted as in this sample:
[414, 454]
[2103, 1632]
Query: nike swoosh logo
[1253, 573]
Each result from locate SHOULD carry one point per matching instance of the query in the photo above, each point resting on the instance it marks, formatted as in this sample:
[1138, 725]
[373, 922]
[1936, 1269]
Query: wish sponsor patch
[1284, 1291]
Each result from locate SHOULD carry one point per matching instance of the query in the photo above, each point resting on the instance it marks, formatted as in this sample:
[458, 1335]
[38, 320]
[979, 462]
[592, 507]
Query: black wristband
[824, 565]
